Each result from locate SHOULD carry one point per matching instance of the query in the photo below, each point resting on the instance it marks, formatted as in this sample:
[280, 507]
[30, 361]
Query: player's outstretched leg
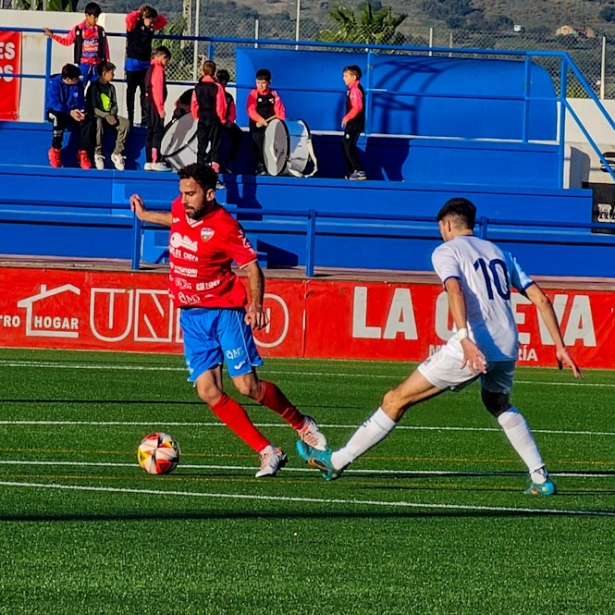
[319, 459]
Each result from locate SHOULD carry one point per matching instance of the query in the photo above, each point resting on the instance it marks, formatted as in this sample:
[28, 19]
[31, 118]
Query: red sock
[273, 398]
[236, 419]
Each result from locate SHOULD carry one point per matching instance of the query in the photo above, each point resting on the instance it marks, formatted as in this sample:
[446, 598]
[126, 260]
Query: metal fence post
[136, 243]
[483, 221]
[311, 243]
[603, 69]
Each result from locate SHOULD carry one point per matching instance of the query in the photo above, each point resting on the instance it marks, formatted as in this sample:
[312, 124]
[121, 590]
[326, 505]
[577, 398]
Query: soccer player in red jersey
[204, 240]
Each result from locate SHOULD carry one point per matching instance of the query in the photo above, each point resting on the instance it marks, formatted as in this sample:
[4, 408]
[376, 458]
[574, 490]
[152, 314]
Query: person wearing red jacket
[90, 41]
[229, 126]
[155, 97]
[208, 108]
[263, 105]
[140, 27]
[353, 122]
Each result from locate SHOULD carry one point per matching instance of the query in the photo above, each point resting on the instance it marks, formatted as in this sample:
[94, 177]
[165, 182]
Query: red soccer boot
[84, 159]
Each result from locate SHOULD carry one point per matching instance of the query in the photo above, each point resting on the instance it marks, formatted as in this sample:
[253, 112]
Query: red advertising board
[10, 64]
[353, 320]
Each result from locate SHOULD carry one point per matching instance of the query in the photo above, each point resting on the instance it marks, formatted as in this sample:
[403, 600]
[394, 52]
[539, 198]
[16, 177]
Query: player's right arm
[472, 356]
[545, 307]
[67, 40]
[162, 218]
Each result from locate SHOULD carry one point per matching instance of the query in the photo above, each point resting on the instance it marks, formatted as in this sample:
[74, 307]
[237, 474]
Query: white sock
[375, 429]
[518, 432]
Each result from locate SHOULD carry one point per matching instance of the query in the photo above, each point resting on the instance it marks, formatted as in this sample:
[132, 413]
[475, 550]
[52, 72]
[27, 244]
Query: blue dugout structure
[437, 127]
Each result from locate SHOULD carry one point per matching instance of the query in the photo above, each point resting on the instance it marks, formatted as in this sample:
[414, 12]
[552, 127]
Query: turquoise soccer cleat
[546, 488]
[318, 459]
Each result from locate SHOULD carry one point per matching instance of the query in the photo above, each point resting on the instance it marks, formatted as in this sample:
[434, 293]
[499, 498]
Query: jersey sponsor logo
[208, 285]
[189, 272]
[188, 299]
[183, 284]
[177, 240]
[207, 233]
[245, 241]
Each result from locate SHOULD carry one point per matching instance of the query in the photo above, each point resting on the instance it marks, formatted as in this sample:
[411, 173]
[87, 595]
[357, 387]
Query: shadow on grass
[201, 515]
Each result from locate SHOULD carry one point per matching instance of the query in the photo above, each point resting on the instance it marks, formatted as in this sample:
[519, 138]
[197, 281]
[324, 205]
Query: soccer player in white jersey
[478, 278]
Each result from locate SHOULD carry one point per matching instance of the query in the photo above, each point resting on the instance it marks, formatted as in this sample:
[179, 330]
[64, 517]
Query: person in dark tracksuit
[140, 27]
[155, 97]
[353, 122]
[89, 40]
[208, 107]
[263, 105]
[229, 126]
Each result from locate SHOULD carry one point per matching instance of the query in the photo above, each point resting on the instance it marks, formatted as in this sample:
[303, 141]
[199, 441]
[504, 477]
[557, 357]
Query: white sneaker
[118, 161]
[148, 166]
[272, 460]
[159, 166]
[310, 433]
[99, 162]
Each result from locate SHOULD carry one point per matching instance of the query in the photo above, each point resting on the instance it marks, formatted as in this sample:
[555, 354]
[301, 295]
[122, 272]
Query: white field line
[304, 500]
[559, 432]
[162, 368]
[187, 466]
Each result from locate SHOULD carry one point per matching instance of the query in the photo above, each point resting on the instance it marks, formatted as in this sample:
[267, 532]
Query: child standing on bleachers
[90, 41]
[140, 27]
[208, 107]
[155, 97]
[263, 105]
[229, 125]
[64, 107]
[353, 122]
[103, 110]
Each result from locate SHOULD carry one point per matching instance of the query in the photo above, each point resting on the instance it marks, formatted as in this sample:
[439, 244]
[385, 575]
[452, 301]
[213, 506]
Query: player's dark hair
[91, 8]
[264, 74]
[201, 173]
[148, 12]
[161, 51]
[209, 68]
[223, 75]
[461, 209]
[353, 69]
[104, 67]
[71, 71]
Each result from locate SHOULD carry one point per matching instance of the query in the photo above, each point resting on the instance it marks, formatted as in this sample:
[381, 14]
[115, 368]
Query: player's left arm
[545, 307]
[278, 108]
[255, 315]
[472, 356]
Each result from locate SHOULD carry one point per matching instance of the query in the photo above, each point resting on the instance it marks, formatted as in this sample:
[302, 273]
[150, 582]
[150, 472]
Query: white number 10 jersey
[487, 276]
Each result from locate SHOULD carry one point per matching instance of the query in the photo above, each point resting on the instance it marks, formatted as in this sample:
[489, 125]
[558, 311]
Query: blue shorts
[212, 335]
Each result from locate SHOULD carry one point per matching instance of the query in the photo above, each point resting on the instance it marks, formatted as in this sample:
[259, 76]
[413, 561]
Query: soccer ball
[158, 453]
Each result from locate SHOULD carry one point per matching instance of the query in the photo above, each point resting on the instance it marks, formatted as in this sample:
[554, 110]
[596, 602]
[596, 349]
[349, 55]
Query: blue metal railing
[566, 66]
[311, 216]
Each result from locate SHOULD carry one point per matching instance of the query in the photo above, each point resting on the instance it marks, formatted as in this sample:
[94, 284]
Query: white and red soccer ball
[158, 453]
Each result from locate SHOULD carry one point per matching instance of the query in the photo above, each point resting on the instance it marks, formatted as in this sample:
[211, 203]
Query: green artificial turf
[432, 521]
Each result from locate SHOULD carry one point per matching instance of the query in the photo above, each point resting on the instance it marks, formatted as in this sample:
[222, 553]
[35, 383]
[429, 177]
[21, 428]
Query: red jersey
[201, 253]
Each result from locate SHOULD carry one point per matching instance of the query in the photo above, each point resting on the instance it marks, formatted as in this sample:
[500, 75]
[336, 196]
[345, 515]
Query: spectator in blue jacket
[65, 107]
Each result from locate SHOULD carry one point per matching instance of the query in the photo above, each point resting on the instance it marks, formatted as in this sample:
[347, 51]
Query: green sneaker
[318, 459]
[546, 488]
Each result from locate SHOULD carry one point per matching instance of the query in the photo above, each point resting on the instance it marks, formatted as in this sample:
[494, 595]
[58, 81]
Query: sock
[236, 419]
[375, 429]
[274, 399]
[518, 433]
[154, 155]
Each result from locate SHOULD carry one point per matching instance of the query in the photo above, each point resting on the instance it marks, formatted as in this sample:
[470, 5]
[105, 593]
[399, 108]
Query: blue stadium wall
[442, 100]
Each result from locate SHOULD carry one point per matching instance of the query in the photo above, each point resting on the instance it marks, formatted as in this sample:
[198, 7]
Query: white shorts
[443, 370]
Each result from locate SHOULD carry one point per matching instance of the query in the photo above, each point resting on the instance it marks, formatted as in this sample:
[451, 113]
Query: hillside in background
[543, 16]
